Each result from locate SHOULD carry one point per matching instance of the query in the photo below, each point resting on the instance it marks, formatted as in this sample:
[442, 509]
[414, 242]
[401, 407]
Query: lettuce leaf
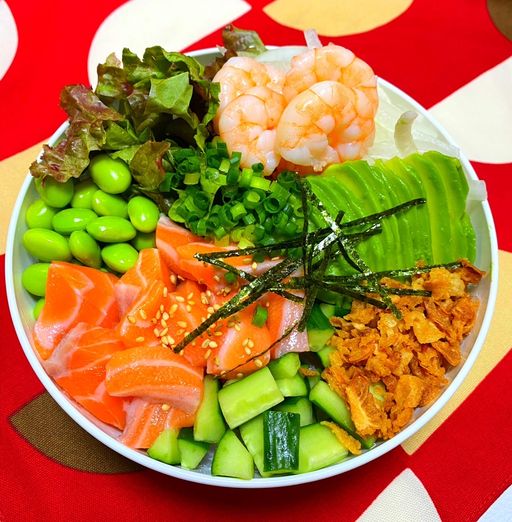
[86, 133]
[163, 96]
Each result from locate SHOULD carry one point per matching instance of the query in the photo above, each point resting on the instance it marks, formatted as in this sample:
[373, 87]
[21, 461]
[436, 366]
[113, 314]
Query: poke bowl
[426, 130]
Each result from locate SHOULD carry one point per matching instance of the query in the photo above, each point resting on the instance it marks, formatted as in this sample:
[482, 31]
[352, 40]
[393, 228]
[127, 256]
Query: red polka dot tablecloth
[453, 57]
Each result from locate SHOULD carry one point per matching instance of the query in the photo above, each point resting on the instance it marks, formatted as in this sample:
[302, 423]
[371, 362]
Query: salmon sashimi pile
[109, 342]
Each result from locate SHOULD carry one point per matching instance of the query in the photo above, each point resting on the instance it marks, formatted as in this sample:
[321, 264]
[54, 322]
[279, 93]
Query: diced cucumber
[317, 339]
[286, 366]
[192, 451]
[319, 328]
[300, 405]
[252, 435]
[327, 309]
[249, 397]
[293, 386]
[231, 458]
[312, 381]
[209, 425]
[318, 448]
[325, 354]
[332, 404]
[165, 448]
[280, 441]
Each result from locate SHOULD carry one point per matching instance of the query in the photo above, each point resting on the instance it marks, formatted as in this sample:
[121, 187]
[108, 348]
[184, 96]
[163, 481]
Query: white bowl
[21, 304]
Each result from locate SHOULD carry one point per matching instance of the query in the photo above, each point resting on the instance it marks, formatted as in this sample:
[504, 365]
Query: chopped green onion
[224, 166]
[260, 183]
[245, 178]
[251, 199]
[191, 178]
[230, 278]
[260, 316]
[237, 211]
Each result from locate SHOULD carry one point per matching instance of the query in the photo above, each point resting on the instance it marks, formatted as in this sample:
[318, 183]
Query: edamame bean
[39, 215]
[119, 257]
[34, 278]
[85, 249]
[46, 245]
[111, 229]
[105, 204]
[53, 193]
[143, 213]
[84, 191]
[144, 240]
[111, 175]
[71, 219]
[38, 308]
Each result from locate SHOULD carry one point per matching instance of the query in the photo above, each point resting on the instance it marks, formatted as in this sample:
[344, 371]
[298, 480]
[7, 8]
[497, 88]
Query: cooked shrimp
[322, 125]
[248, 125]
[335, 63]
[241, 73]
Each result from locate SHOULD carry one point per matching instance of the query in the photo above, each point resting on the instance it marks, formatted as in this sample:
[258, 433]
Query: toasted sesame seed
[164, 331]
[217, 334]
[162, 309]
[190, 295]
[231, 324]
[173, 308]
[186, 333]
[203, 319]
[165, 316]
[254, 266]
[165, 407]
[239, 375]
[258, 363]
[164, 341]
[189, 308]
[139, 339]
[247, 350]
[156, 332]
[173, 279]
[210, 310]
[191, 302]
[208, 293]
[237, 327]
[205, 343]
[223, 372]
[217, 278]
[250, 343]
[132, 319]
[181, 352]
[143, 314]
[207, 353]
[163, 322]
[213, 344]
[180, 299]
[245, 342]
[181, 324]
[158, 315]
[216, 307]
[217, 361]
[267, 304]
[276, 258]
[165, 291]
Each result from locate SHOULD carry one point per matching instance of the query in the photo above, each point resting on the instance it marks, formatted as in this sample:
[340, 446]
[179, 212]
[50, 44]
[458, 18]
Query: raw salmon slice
[78, 366]
[236, 349]
[145, 421]
[156, 374]
[139, 324]
[74, 294]
[282, 313]
[189, 306]
[178, 247]
[150, 267]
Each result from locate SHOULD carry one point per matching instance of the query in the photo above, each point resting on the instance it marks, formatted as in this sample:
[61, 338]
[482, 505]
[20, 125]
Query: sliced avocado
[421, 238]
[379, 199]
[437, 205]
[399, 193]
[457, 188]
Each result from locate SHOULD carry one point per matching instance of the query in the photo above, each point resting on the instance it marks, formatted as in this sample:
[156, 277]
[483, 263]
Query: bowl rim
[271, 482]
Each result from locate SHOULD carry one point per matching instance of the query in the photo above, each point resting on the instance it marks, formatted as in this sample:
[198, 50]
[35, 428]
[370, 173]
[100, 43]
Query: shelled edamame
[94, 220]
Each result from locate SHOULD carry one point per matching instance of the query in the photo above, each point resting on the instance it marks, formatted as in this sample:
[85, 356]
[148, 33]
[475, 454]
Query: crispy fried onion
[386, 367]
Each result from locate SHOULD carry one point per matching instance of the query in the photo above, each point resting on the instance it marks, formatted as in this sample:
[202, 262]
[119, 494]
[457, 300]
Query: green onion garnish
[260, 316]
